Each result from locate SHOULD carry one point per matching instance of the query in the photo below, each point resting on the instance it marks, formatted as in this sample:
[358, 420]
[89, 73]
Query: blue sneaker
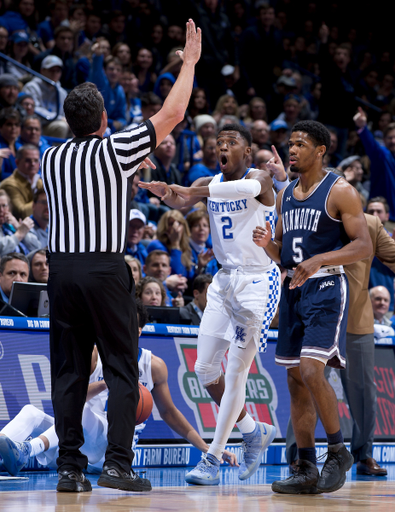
[253, 447]
[15, 455]
[206, 472]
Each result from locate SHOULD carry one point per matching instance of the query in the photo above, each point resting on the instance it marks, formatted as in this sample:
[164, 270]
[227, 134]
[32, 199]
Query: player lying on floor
[15, 451]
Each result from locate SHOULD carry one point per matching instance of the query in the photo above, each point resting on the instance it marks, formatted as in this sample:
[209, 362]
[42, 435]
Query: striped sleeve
[132, 146]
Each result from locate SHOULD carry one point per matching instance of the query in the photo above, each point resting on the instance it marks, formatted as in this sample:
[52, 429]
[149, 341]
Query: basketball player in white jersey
[152, 374]
[242, 298]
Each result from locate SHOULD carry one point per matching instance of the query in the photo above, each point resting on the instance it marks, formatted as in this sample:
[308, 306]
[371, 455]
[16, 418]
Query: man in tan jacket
[358, 377]
[24, 181]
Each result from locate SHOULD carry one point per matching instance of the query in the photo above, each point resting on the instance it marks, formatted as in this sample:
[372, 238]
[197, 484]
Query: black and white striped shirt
[88, 188]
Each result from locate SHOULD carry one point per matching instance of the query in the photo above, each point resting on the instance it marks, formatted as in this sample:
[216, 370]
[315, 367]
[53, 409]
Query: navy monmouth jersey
[308, 229]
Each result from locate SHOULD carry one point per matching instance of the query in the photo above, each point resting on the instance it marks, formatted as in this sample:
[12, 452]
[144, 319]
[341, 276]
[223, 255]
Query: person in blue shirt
[10, 129]
[157, 265]
[380, 274]
[130, 85]
[58, 16]
[209, 165]
[202, 253]
[382, 158]
[13, 267]
[163, 85]
[107, 80]
[134, 247]
[173, 238]
[40, 217]
[19, 18]
[31, 131]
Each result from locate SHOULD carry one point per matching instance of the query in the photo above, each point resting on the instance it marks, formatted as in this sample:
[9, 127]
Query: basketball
[144, 407]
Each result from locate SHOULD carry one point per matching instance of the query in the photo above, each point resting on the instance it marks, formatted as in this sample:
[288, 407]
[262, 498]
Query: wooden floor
[171, 494]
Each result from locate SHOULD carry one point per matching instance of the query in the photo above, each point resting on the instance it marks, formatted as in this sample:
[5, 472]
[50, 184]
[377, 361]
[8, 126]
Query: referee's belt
[323, 272]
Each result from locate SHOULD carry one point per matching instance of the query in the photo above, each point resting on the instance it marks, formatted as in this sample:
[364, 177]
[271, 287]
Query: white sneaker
[206, 472]
[254, 447]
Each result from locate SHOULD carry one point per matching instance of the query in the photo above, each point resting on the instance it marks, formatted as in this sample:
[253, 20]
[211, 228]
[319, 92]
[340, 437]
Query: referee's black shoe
[333, 474]
[113, 476]
[73, 480]
[302, 481]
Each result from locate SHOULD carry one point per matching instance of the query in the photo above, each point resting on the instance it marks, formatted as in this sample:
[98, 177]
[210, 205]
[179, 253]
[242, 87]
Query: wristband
[279, 185]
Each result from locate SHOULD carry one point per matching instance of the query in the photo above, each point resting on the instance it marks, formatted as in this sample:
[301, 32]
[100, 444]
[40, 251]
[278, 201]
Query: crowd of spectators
[265, 64]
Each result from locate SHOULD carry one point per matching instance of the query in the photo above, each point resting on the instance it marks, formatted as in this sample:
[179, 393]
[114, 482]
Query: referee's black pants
[92, 301]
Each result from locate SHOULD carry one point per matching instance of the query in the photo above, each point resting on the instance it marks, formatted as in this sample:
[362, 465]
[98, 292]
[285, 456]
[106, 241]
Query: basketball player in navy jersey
[320, 228]
[241, 300]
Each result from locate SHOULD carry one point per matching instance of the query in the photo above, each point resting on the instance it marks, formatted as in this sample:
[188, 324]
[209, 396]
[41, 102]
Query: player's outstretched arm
[171, 415]
[177, 196]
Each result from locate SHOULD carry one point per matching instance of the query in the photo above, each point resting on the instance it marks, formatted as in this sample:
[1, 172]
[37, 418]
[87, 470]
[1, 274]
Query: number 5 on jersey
[298, 253]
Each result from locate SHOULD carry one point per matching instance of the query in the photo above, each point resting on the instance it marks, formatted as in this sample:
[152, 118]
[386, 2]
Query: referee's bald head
[83, 108]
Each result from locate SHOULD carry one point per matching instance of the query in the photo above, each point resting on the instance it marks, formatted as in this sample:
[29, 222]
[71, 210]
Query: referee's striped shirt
[88, 189]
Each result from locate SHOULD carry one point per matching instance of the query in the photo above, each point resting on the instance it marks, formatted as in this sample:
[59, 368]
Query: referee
[91, 290]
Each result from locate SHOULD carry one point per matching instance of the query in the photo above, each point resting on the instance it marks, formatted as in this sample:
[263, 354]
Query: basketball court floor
[36, 493]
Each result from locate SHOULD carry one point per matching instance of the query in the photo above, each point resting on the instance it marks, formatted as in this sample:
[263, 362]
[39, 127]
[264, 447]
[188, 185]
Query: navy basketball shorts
[313, 321]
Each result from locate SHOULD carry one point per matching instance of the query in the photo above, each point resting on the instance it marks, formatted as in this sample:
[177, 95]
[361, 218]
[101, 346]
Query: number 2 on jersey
[298, 253]
[226, 227]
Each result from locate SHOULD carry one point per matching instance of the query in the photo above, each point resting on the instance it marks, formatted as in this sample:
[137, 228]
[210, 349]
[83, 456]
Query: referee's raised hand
[193, 44]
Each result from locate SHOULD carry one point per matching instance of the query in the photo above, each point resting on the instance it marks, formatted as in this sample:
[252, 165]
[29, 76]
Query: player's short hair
[200, 282]
[142, 314]
[83, 108]
[234, 127]
[12, 256]
[317, 132]
[379, 199]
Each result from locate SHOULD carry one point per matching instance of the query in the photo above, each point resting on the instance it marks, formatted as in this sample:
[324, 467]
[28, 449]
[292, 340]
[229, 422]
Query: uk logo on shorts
[240, 334]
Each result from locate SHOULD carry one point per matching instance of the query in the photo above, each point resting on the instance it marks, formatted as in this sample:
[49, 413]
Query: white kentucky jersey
[98, 404]
[145, 378]
[232, 223]
[145, 371]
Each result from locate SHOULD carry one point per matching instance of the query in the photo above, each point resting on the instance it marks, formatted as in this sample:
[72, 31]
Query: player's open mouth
[224, 160]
